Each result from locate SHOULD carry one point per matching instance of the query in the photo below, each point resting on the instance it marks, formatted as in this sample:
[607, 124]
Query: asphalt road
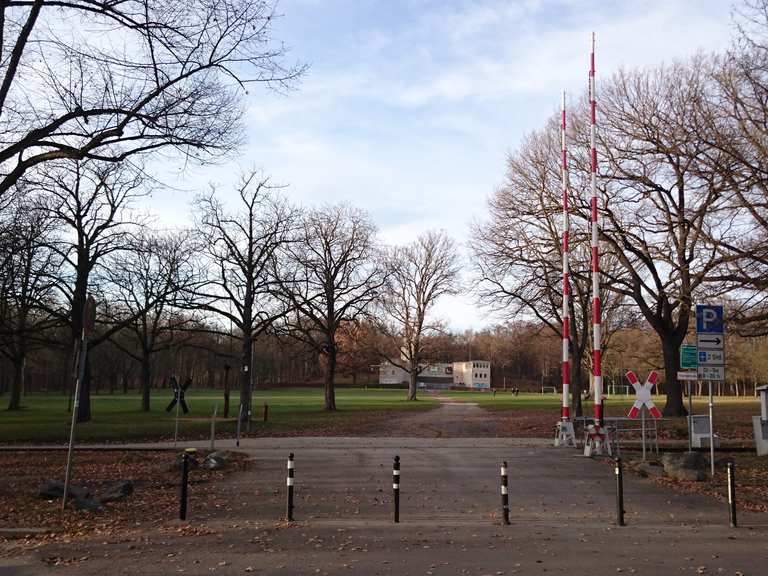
[562, 513]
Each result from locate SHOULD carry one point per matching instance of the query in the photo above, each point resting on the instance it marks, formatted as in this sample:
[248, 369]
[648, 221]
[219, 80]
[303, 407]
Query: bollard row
[289, 506]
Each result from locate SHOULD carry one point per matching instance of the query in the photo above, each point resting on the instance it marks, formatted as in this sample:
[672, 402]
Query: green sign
[689, 357]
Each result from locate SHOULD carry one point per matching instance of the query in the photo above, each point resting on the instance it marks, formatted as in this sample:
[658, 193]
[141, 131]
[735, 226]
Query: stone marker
[689, 466]
[116, 491]
[54, 489]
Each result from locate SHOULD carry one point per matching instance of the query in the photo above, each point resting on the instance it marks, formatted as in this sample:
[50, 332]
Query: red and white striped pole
[597, 352]
[565, 433]
[566, 406]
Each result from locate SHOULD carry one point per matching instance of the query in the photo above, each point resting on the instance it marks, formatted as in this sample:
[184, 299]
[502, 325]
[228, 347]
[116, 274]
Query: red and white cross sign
[643, 395]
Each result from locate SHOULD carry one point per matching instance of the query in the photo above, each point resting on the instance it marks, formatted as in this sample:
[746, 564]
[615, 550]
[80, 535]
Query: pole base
[564, 434]
[597, 442]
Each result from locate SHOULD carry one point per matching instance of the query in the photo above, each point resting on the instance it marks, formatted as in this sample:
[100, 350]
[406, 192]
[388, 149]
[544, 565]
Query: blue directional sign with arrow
[710, 341]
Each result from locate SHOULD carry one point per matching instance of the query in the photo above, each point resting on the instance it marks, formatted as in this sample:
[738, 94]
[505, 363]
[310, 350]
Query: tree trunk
[17, 385]
[245, 376]
[674, 405]
[80, 294]
[412, 383]
[330, 375]
[84, 407]
[146, 381]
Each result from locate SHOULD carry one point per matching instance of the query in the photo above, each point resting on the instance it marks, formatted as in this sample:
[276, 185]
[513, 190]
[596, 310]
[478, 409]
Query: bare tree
[418, 274]
[667, 212]
[329, 277]
[89, 203]
[25, 262]
[733, 125]
[144, 283]
[238, 252]
[518, 251]
[105, 80]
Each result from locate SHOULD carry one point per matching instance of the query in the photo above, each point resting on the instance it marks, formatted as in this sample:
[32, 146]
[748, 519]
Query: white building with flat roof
[433, 375]
[472, 374]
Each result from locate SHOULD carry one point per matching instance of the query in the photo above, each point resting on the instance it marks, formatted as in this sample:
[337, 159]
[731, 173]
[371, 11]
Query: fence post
[504, 493]
[730, 468]
[619, 492]
[213, 426]
[289, 484]
[396, 486]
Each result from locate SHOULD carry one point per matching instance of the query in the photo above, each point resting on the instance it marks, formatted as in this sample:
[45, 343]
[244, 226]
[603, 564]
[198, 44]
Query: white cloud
[410, 116]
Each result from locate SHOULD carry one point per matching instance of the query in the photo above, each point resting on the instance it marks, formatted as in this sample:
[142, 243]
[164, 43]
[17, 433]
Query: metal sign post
[711, 432]
[710, 339]
[690, 416]
[89, 319]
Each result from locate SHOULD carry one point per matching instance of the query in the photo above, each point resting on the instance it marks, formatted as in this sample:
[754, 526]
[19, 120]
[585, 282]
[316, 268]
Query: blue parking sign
[709, 319]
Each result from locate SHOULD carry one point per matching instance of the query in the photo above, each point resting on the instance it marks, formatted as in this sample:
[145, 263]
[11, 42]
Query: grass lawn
[620, 404]
[116, 418]
[732, 416]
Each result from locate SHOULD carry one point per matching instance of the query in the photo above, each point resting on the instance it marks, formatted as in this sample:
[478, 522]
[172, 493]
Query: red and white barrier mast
[565, 432]
[566, 406]
[597, 440]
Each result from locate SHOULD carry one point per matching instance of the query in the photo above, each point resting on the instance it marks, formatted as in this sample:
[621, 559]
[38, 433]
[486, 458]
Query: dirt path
[451, 419]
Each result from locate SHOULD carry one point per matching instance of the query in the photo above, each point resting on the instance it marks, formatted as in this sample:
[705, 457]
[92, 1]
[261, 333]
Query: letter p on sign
[709, 319]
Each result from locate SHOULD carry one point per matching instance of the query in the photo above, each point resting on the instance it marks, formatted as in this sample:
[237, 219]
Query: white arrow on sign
[643, 395]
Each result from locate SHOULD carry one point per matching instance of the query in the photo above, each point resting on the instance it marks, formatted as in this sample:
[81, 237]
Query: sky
[410, 107]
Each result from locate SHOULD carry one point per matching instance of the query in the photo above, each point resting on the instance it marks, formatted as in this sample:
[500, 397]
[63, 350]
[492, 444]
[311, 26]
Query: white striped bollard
[289, 484]
[731, 494]
[396, 486]
[619, 472]
[505, 493]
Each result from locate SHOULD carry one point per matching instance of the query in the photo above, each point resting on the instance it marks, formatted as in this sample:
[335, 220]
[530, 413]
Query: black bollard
[265, 414]
[184, 482]
[731, 493]
[396, 487]
[619, 493]
[289, 484]
[504, 493]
